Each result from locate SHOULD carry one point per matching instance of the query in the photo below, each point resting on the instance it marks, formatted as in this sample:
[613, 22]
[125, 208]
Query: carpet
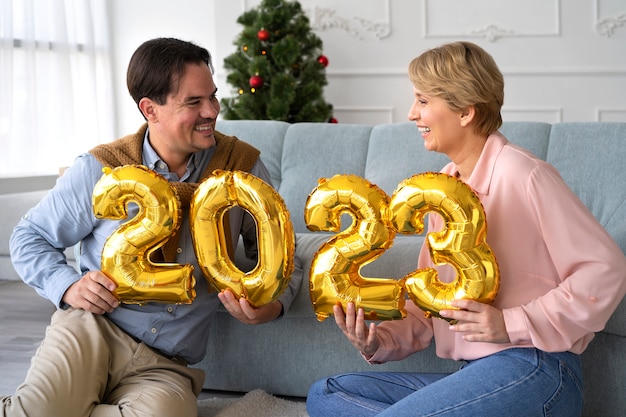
[257, 403]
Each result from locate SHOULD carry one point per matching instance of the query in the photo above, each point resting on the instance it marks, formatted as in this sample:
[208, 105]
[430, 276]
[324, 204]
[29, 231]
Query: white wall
[562, 60]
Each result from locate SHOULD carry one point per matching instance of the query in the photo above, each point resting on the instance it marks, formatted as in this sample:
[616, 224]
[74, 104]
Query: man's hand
[352, 324]
[246, 313]
[93, 292]
[480, 322]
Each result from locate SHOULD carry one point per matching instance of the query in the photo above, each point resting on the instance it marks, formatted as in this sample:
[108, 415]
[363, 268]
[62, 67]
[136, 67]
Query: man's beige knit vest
[230, 154]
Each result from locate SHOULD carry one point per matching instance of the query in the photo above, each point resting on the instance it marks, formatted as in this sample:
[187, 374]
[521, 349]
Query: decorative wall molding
[491, 19]
[560, 71]
[611, 115]
[492, 33]
[530, 72]
[547, 115]
[369, 115]
[327, 18]
[607, 26]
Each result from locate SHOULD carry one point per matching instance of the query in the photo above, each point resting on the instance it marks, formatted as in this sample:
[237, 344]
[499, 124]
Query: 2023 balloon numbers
[335, 269]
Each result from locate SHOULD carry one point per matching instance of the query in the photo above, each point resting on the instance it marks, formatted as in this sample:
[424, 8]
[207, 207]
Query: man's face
[186, 122]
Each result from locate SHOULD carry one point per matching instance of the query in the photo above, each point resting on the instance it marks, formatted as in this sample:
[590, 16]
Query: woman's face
[440, 126]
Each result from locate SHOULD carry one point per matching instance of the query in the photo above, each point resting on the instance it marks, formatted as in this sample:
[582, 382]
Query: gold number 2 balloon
[126, 253]
[275, 236]
[335, 268]
[461, 243]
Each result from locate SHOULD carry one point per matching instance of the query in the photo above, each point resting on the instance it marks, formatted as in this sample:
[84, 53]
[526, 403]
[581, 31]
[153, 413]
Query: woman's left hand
[480, 322]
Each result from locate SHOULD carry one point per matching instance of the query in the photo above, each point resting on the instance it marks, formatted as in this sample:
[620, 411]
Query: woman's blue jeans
[523, 382]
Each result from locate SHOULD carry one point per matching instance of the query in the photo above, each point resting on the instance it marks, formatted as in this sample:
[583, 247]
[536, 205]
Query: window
[56, 95]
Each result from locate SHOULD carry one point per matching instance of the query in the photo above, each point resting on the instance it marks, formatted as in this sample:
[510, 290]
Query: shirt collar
[153, 161]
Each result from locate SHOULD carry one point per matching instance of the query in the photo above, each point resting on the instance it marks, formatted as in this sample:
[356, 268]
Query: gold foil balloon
[275, 236]
[461, 243]
[126, 253]
[335, 269]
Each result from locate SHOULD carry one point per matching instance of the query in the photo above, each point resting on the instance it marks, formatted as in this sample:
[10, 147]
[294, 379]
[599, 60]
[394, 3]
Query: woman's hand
[352, 324]
[93, 292]
[246, 313]
[480, 322]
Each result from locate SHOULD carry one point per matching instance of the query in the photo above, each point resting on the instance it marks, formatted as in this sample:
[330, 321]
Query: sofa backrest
[298, 155]
[588, 155]
[267, 136]
[396, 152]
[591, 158]
[319, 150]
[533, 136]
[13, 207]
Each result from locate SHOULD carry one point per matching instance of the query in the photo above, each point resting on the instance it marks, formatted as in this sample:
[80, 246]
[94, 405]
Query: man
[101, 357]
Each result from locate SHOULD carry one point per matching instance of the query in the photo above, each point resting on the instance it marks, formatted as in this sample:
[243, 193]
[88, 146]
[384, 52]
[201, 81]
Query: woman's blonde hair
[463, 74]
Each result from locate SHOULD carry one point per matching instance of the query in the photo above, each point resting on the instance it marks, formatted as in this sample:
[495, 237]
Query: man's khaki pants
[87, 366]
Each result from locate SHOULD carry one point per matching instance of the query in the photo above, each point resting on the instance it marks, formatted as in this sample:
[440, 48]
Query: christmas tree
[278, 71]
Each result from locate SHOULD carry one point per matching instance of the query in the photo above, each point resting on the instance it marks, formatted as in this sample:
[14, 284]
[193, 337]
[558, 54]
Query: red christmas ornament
[322, 59]
[263, 35]
[256, 81]
[333, 120]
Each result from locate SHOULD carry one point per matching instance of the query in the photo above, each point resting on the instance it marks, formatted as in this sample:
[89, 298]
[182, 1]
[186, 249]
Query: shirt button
[179, 250]
[153, 330]
[170, 309]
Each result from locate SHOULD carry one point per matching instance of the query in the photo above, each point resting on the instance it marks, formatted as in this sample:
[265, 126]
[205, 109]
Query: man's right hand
[93, 292]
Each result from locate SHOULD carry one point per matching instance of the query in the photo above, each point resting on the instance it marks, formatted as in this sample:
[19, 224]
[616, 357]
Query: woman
[561, 273]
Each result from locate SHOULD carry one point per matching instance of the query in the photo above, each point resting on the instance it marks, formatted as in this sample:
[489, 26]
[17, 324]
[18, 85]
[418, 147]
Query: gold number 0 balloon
[276, 240]
[461, 243]
[335, 268]
[125, 256]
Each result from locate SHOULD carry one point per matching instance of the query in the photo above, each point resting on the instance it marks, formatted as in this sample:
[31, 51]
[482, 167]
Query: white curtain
[56, 95]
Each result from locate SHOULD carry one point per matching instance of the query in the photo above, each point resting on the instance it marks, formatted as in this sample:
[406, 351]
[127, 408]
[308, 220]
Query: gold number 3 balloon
[461, 243]
[126, 253]
[335, 268]
[275, 236]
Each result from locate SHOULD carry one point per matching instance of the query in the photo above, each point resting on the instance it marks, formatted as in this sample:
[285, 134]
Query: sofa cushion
[14, 206]
[267, 137]
[318, 150]
[590, 158]
[396, 152]
[533, 136]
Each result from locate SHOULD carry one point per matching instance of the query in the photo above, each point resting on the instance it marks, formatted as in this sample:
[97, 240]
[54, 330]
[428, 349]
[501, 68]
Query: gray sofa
[284, 357]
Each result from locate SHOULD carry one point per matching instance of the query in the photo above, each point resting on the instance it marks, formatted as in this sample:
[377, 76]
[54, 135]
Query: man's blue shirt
[64, 217]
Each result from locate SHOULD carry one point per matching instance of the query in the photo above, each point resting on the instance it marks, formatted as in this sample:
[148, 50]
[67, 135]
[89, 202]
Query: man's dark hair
[158, 64]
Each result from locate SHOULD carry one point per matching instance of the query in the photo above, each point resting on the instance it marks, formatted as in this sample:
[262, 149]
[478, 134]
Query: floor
[24, 316]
